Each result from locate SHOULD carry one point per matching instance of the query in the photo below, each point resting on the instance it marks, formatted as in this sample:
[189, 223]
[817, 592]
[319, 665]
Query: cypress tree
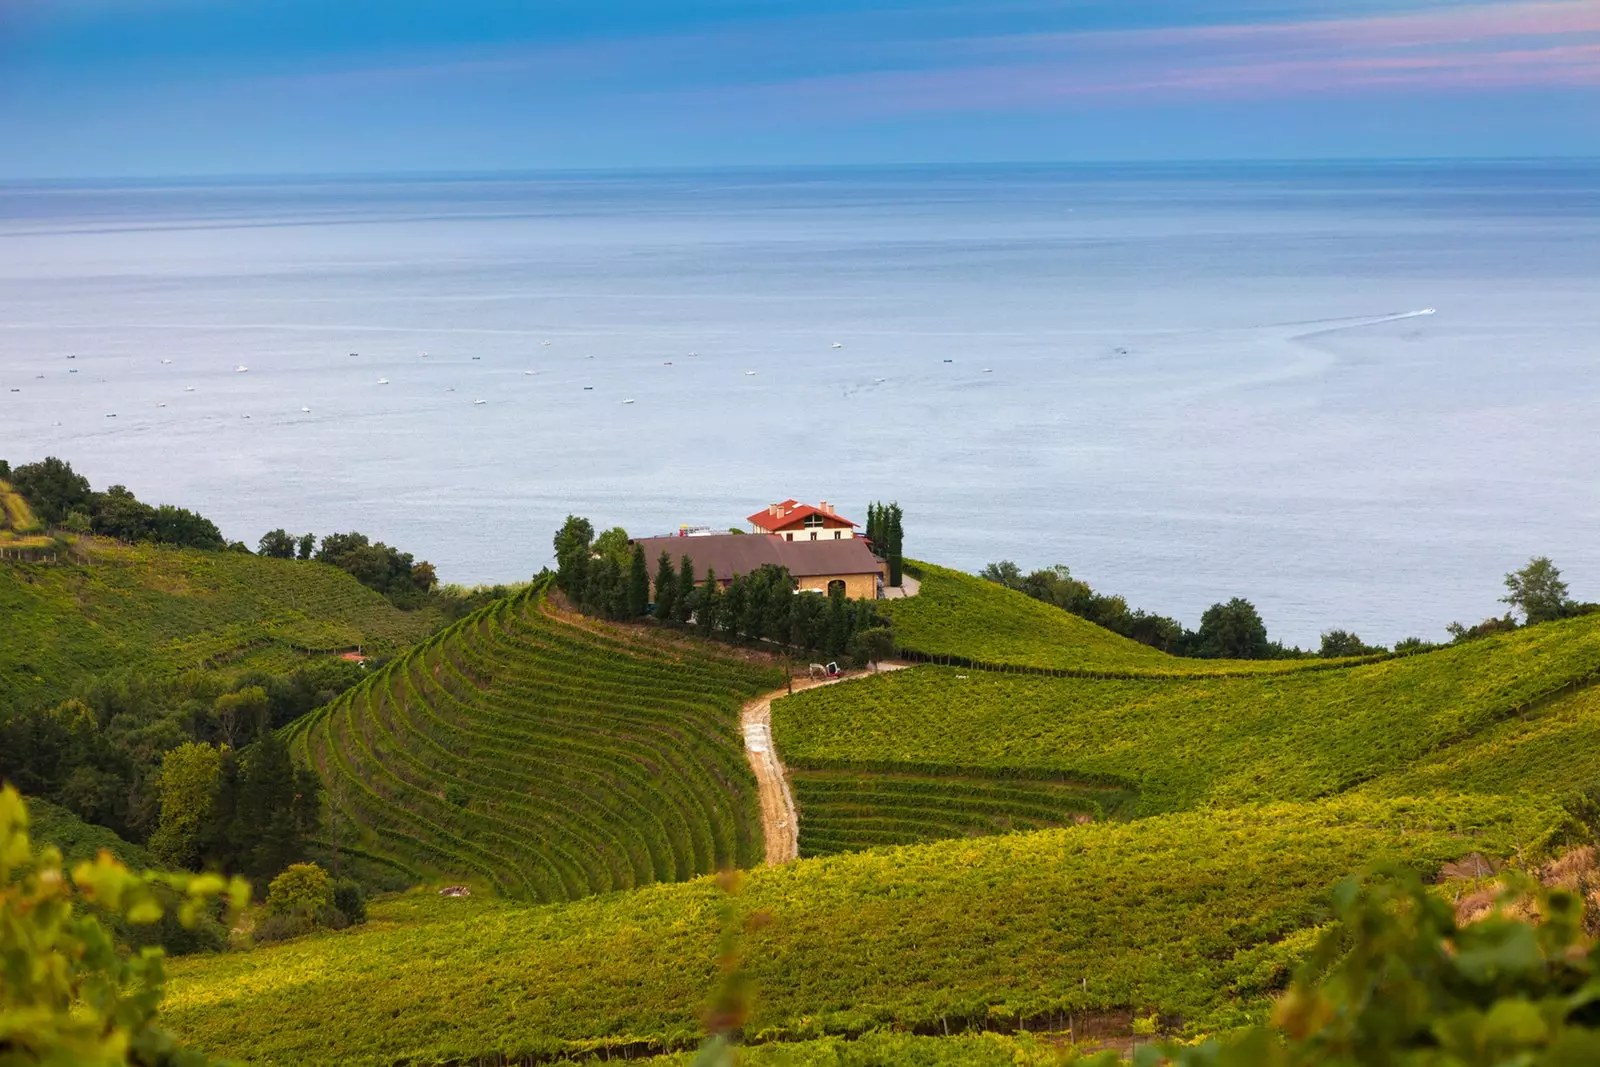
[838, 623]
[683, 602]
[731, 613]
[666, 589]
[708, 604]
[780, 608]
[638, 585]
[893, 535]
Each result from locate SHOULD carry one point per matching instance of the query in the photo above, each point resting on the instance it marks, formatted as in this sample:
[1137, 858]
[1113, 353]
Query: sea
[1355, 394]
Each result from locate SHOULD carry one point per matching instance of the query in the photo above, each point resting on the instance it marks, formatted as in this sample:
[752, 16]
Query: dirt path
[780, 819]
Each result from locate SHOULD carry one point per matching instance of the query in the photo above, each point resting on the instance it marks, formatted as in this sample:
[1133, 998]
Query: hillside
[19, 529]
[167, 610]
[1177, 744]
[543, 758]
[964, 619]
[50, 824]
[1170, 914]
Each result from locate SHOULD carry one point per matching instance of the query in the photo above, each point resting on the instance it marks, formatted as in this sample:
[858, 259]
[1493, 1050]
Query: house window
[789, 536]
[837, 534]
[813, 521]
[813, 535]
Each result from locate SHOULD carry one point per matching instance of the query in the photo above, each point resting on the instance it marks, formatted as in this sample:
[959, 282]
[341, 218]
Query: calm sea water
[1187, 383]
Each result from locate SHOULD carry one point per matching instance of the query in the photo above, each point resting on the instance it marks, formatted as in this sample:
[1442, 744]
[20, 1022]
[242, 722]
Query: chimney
[772, 509]
[825, 509]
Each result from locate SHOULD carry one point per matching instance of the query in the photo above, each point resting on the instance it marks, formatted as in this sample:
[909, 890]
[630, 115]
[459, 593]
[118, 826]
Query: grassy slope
[172, 609]
[966, 617]
[1172, 914]
[1181, 744]
[18, 526]
[544, 759]
[49, 824]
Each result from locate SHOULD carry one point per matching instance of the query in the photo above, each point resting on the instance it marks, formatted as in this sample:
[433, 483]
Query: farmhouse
[794, 521]
[818, 565]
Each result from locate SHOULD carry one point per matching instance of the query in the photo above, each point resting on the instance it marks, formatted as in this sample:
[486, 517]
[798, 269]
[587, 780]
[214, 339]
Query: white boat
[424, 355]
[628, 401]
[166, 361]
[111, 414]
[879, 381]
[305, 410]
[988, 370]
[244, 416]
[162, 404]
[188, 388]
[544, 344]
[588, 357]
[480, 401]
[383, 381]
[749, 374]
[240, 369]
[450, 389]
[530, 372]
[836, 344]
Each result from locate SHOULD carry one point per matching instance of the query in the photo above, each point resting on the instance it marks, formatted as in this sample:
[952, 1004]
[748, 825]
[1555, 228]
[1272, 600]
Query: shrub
[350, 900]
[282, 927]
[302, 889]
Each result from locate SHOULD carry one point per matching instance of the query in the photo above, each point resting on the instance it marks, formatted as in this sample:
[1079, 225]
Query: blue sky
[194, 87]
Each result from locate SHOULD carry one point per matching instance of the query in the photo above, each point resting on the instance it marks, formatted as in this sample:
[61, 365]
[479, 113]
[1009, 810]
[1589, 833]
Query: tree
[1538, 592]
[638, 584]
[423, 576]
[1004, 573]
[708, 604]
[666, 588]
[731, 613]
[265, 831]
[683, 601]
[1340, 643]
[52, 488]
[308, 545]
[873, 645]
[117, 513]
[838, 631]
[301, 889]
[72, 994]
[188, 782]
[572, 556]
[894, 535]
[276, 544]
[613, 545]
[1231, 631]
[246, 709]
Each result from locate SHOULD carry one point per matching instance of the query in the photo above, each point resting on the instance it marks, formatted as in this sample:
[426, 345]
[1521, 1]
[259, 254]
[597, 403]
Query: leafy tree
[872, 645]
[188, 783]
[276, 544]
[266, 832]
[613, 545]
[375, 565]
[683, 601]
[838, 627]
[894, 535]
[1459, 633]
[423, 576]
[117, 513]
[302, 889]
[638, 584]
[1004, 573]
[245, 709]
[666, 588]
[1339, 643]
[5, 469]
[72, 994]
[572, 556]
[1538, 592]
[52, 488]
[731, 615]
[308, 546]
[1231, 631]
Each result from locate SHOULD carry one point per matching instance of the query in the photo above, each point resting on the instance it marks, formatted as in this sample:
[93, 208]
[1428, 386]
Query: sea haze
[1187, 383]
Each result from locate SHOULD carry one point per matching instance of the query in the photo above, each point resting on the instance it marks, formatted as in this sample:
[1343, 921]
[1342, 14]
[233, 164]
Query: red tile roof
[793, 514]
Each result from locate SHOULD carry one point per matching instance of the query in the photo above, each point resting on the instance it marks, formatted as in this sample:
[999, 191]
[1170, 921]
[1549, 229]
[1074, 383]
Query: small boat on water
[244, 416]
[111, 414]
[949, 361]
[588, 357]
[530, 372]
[166, 361]
[162, 404]
[450, 389]
[188, 388]
[383, 381]
[477, 357]
[480, 401]
[628, 401]
[240, 369]
[879, 381]
[836, 344]
[14, 389]
[588, 388]
[72, 357]
[544, 344]
[305, 410]
[749, 374]
[988, 370]
[667, 363]
[74, 370]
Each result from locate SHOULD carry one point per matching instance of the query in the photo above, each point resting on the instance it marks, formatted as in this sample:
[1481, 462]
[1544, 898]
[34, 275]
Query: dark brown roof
[730, 554]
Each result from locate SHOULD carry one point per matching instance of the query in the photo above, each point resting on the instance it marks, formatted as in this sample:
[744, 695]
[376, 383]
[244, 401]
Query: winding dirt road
[780, 819]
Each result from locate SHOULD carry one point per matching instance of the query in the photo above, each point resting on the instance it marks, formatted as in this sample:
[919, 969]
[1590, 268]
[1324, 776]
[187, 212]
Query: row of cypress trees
[886, 533]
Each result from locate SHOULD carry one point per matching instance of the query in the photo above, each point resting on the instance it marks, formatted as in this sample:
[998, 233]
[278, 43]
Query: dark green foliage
[307, 546]
[52, 489]
[351, 900]
[838, 625]
[683, 601]
[1538, 592]
[277, 544]
[1459, 633]
[1231, 631]
[638, 584]
[1056, 585]
[666, 587]
[1340, 643]
[708, 605]
[375, 565]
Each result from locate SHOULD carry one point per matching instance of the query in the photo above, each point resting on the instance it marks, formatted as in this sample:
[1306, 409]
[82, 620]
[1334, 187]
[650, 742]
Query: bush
[350, 900]
[281, 927]
[302, 889]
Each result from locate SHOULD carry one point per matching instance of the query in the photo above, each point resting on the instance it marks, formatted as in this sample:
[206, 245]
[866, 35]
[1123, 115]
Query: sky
[136, 88]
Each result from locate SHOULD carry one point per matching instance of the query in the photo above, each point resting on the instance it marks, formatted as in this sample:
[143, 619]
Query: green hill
[49, 824]
[1176, 914]
[168, 610]
[19, 529]
[966, 620]
[1177, 744]
[543, 758]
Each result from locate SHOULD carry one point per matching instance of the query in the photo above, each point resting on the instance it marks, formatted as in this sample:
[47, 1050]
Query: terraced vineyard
[542, 758]
[1195, 916]
[842, 811]
[961, 619]
[166, 609]
[1177, 744]
[19, 530]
